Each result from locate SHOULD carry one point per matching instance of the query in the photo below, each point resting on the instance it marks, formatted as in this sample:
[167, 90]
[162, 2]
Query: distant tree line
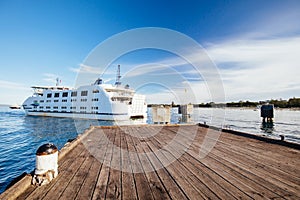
[291, 103]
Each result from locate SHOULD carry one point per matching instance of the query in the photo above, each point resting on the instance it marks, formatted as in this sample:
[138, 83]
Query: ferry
[98, 101]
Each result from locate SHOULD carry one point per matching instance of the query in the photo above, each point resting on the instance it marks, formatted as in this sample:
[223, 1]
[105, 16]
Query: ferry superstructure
[97, 101]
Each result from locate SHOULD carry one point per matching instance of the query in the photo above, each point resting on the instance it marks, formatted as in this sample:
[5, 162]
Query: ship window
[55, 107]
[48, 101]
[84, 93]
[64, 100]
[95, 99]
[95, 91]
[56, 94]
[48, 107]
[49, 95]
[65, 94]
[74, 94]
[41, 101]
[72, 107]
[63, 107]
[83, 100]
[41, 107]
[73, 100]
[55, 100]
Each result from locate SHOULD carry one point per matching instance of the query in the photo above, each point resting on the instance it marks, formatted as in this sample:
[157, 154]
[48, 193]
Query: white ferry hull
[106, 117]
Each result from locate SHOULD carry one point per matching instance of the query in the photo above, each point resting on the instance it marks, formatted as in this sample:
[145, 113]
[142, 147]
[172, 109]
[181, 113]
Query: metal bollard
[46, 164]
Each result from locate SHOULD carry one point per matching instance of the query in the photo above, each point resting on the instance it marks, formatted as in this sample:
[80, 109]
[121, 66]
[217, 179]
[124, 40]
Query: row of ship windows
[72, 100]
[64, 107]
[73, 94]
[63, 111]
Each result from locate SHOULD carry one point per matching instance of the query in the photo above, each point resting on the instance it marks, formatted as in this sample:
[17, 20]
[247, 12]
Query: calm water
[286, 122]
[21, 135]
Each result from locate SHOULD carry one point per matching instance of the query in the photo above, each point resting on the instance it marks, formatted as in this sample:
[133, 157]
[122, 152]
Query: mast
[118, 76]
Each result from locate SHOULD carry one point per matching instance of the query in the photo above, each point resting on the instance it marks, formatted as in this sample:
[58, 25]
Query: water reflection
[267, 127]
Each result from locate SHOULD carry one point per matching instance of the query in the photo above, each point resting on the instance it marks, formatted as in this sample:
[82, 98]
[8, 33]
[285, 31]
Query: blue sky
[254, 44]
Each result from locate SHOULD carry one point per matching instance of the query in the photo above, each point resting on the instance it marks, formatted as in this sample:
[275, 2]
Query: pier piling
[267, 112]
[187, 113]
[161, 114]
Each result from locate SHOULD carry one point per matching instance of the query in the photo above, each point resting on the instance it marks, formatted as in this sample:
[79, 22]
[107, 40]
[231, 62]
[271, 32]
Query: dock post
[161, 114]
[187, 113]
[46, 164]
[267, 112]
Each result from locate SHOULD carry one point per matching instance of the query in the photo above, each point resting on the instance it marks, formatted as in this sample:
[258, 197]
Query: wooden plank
[141, 182]
[195, 158]
[103, 178]
[170, 185]
[285, 166]
[97, 147]
[114, 183]
[258, 180]
[234, 167]
[23, 185]
[211, 182]
[209, 190]
[87, 188]
[157, 188]
[26, 193]
[271, 181]
[261, 169]
[128, 182]
[185, 180]
[181, 179]
[75, 184]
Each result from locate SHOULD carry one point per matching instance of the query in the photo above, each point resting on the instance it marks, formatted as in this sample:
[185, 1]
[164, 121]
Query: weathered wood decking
[237, 167]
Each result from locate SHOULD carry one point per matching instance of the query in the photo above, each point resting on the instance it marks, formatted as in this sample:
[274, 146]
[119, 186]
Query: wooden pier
[237, 167]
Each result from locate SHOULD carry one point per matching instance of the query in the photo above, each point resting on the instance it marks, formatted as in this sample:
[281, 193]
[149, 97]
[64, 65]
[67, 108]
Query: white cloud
[12, 85]
[85, 69]
[51, 78]
[251, 69]
[73, 69]
[284, 21]
[12, 92]
[258, 69]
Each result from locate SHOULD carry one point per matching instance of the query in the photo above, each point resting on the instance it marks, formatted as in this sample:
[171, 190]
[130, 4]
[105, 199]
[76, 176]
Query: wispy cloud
[13, 92]
[283, 22]
[258, 69]
[12, 85]
[51, 78]
[254, 69]
[85, 69]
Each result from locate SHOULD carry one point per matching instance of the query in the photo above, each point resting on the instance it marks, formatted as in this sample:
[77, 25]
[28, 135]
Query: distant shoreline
[224, 106]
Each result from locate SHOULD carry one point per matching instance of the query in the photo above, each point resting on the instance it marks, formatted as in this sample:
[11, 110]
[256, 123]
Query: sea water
[21, 135]
[286, 122]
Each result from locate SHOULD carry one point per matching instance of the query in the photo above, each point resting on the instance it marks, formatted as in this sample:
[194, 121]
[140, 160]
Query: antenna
[118, 76]
[57, 81]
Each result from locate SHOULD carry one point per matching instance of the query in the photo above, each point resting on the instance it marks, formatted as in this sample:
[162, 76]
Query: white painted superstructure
[97, 101]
